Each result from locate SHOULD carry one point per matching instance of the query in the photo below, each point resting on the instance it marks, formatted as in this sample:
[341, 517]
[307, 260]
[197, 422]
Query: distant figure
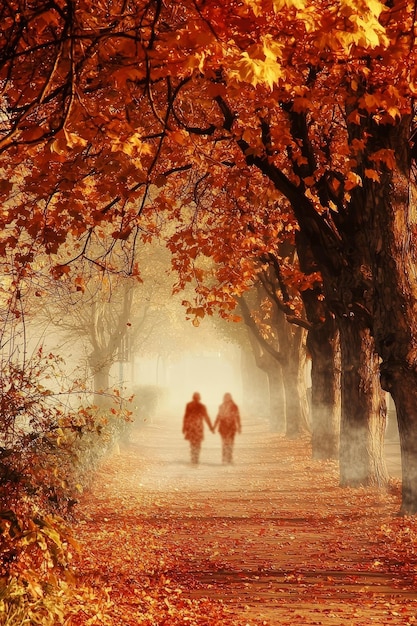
[193, 426]
[228, 422]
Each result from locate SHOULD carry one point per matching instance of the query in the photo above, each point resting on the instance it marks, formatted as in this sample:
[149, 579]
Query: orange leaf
[372, 174]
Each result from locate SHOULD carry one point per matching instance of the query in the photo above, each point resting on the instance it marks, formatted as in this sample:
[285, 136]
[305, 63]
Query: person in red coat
[193, 425]
[228, 423]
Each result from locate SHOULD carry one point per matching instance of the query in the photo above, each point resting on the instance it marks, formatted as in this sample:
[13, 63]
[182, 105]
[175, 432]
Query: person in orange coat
[228, 423]
[193, 426]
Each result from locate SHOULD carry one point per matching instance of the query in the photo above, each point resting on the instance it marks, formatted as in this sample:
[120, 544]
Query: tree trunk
[275, 389]
[363, 419]
[390, 233]
[403, 386]
[100, 368]
[277, 399]
[365, 253]
[255, 389]
[270, 361]
[294, 390]
[323, 345]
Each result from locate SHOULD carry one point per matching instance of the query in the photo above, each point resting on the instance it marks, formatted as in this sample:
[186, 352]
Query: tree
[269, 361]
[285, 343]
[110, 316]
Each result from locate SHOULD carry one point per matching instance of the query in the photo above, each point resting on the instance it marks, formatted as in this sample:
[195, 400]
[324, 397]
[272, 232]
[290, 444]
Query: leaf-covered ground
[270, 540]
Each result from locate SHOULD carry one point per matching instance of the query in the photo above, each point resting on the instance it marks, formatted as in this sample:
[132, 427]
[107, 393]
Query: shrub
[48, 451]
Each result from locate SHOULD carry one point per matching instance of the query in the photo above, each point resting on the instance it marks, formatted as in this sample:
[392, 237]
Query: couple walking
[227, 422]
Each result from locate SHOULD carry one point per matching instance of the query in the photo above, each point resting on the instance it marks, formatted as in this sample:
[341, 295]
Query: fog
[174, 362]
[211, 373]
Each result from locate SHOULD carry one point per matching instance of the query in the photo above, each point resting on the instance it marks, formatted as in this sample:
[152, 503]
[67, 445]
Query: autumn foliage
[227, 129]
[113, 112]
[47, 456]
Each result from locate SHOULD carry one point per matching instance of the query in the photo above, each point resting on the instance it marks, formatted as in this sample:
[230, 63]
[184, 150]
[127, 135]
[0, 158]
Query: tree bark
[324, 348]
[294, 383]
[388, 230]
[403, 386]
[270, 361]
[100, 368]
[347, 253]
[363, 419]
[106, 332]
[276, 392]
[277, 398]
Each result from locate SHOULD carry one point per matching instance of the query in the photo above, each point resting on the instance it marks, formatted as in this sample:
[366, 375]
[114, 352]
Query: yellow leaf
[288, 4]
[53, 535]
[73, 139]
[376, 7]
[394, 112]
[354, 84]
[370, 102]
[260, 64]
[132, 146]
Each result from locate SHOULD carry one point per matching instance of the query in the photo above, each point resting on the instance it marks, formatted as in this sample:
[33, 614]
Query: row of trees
[247, 126]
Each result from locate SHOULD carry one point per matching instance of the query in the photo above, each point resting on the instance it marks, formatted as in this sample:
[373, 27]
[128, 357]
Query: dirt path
[270, 540]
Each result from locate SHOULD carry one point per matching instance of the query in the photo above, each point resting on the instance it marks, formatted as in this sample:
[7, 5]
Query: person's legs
[224, 450]
[195, 452]
[228, 449]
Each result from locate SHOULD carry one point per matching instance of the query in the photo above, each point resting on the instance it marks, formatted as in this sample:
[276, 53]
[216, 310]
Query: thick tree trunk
[324, 348]
[391, 228]
[403, 387]
[286, 356]
[101, 380]
[108, 329]
[365, 250]
[363, 418]
[323, 345]
[100, 369]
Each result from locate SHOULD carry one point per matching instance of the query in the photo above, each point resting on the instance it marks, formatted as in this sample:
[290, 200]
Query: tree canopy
[106, 112]
[98, 105]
